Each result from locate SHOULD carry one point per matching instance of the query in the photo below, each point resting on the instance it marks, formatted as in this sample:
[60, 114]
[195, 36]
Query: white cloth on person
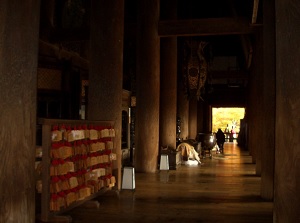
[188, 151]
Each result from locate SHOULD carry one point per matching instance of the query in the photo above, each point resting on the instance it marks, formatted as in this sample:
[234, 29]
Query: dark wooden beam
[227, 97]
[255, 11]
[191, 27]
[205, 27]
[49, 50]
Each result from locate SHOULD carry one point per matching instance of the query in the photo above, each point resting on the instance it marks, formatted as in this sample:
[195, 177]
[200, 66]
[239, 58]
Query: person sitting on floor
[188, 152]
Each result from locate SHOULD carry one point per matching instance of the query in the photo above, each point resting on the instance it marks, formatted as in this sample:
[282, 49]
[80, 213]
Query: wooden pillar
[168, 86]
[193, 119]
[168, 92]
[183, 110]
[287, 146]
[207, 125]
[259, 112]
[255, 106]
[200, 116]
[19, 31]
[251, 116]
[182, 101]
[268, 144]
[106, 67]
[148, 87]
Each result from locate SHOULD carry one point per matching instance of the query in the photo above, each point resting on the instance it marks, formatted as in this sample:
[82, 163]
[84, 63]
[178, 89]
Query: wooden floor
[222, 189]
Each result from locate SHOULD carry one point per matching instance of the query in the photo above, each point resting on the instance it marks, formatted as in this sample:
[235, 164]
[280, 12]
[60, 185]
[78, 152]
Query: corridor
[222, 189]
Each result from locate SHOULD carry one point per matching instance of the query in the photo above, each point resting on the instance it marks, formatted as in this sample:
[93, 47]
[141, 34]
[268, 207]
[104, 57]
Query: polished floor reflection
[222, 189]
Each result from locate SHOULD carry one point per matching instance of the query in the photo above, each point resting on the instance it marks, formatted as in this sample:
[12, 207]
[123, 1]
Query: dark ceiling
[227, 26]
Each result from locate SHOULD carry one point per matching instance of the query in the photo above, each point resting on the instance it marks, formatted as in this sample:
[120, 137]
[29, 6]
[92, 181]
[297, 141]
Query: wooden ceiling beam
[191, 27]
[49, 50]
[255, 11]
[205, 27]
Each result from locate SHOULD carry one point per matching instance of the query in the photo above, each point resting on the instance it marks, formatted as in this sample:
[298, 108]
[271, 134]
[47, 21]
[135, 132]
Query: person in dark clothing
[220, 139]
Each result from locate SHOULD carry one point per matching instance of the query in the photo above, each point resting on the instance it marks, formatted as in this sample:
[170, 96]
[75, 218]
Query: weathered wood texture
[207, 124]
[106, 66]
[18, 77]
[200, 116]
[268, 144]
[259, 109]
[168, 84]
[223, 189]
[254, 110]
[193, 119]
[168, 92]
[182, 101]
[148, 87]
[287, 140]
[183, 113]
[183, 110]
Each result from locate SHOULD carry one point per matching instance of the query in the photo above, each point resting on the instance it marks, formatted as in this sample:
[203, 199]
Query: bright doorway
[224, 117]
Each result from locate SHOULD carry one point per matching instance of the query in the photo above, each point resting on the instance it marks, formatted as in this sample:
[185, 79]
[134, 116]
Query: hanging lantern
[196, 69]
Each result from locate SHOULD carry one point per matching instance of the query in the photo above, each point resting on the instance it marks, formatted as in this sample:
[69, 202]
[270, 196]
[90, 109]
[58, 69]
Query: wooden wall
[287, 143]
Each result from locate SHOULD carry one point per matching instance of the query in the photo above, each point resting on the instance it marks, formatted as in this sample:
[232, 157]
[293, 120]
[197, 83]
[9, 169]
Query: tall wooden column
[255, 107]
[287, 141]
[268, 144]
[182, 101]
[168, 86]
[19, 31]
[193, 119]
[259, 112]
[200, 117]
[148, 87]
[207, 126]
[106, 67]
[183, 110]
[168, 93]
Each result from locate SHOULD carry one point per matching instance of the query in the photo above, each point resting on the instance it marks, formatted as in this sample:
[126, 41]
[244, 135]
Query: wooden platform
[223, 189]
